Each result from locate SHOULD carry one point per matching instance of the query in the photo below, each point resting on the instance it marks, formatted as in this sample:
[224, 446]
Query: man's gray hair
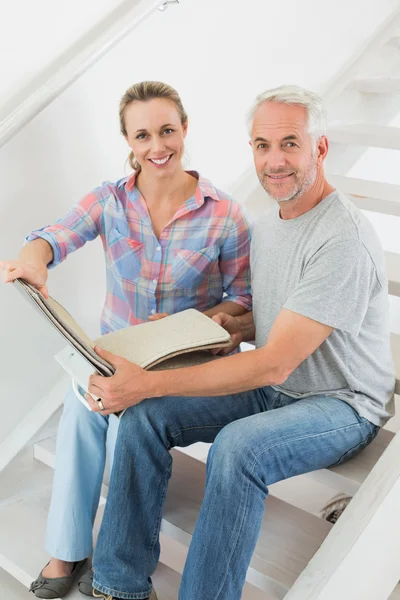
[294, 94]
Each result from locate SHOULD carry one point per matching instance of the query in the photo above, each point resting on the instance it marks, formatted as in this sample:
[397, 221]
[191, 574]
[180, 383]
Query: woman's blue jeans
[259, 437]
[83, 440]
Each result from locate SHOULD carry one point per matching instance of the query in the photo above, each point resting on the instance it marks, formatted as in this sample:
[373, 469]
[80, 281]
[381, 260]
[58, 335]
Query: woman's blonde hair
[143, 92]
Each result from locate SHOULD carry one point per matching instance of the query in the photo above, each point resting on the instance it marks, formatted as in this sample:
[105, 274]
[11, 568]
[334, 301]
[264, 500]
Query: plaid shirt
[202, 255]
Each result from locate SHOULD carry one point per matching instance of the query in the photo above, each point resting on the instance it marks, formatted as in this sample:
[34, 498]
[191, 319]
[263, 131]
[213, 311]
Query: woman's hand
[35, 274]
[232, 326]
[127, 387]
[158, 316]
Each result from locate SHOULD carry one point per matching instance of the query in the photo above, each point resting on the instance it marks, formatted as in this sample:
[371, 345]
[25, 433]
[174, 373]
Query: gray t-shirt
[328, 265]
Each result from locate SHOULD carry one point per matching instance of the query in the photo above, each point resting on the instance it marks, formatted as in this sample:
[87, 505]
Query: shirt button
[155, 281]
[158, 248]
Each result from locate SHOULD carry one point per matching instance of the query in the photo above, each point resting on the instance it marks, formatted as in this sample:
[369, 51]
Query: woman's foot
[58, 568]
[49, 587]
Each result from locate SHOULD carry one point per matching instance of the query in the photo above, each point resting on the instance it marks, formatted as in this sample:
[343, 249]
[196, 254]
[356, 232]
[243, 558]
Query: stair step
[10, 588]
[369, 195]
[23, 515]
[289, 536]
[360, 134]
[376, 85]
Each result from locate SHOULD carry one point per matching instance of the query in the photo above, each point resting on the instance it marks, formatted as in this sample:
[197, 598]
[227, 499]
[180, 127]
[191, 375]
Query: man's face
[285, 155]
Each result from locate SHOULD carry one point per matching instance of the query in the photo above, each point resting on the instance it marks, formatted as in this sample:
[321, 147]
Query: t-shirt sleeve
[337, 286]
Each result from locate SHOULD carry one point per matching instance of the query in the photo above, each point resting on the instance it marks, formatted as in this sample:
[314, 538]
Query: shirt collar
[205, 189]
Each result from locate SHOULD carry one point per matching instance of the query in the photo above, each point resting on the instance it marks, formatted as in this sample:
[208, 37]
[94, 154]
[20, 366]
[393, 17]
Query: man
[313, 393]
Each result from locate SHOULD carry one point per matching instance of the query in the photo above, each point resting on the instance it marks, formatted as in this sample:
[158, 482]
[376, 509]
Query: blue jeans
[82, 440]
[260, 437]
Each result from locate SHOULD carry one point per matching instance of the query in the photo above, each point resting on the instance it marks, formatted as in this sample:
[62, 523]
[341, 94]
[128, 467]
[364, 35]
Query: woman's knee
[77, 415]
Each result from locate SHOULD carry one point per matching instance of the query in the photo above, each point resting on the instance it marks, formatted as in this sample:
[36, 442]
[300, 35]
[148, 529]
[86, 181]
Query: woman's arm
[81, 224]
[37, 252]
[234, 265]
[31, 265]
[48, 246]
[228, 307]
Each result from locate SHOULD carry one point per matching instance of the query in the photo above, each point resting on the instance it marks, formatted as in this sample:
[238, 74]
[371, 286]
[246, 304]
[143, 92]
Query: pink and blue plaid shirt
[201, 258]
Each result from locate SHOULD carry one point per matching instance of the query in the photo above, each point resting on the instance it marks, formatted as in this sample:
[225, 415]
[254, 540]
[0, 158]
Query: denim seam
[243, 514]
[175, 435]
[310, 436]
[368, 439]
[256, 459]
[234, 542]
[157, 528]
[123, 595]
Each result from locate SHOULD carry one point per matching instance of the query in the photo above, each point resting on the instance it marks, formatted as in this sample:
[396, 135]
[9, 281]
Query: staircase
[289, 537]
[298, 555]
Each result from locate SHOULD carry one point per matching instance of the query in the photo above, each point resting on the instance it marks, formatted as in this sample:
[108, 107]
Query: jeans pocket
[352, 452]
[191, 268]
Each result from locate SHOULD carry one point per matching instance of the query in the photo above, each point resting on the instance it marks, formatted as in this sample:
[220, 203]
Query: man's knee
[232, 454]
[148, 415]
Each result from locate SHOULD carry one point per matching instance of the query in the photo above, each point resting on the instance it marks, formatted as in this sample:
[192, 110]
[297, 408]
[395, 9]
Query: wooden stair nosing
[360, 134]
[364, 188]
[384, 207]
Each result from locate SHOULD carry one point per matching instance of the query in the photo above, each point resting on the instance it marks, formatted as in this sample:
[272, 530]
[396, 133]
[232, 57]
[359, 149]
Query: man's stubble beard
[300, 189]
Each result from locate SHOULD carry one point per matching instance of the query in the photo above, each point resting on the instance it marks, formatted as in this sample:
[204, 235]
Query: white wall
[218, 54]
[33, 34]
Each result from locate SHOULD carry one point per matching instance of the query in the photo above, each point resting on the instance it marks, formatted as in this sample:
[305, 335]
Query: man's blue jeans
[260, 437]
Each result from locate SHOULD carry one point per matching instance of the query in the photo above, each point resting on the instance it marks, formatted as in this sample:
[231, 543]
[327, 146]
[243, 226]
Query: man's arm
[292, 339]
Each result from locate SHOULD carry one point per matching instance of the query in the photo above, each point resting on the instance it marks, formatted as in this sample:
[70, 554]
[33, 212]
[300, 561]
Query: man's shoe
[96, 594]
[85, 583]
[335, 508]
[55, 587]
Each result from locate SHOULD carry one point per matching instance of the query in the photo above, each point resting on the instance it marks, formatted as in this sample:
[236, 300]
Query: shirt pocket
[192, 268]
[125, 255]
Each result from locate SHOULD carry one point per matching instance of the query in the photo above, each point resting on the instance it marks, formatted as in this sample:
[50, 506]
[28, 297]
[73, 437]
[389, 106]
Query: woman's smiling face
[156, 135]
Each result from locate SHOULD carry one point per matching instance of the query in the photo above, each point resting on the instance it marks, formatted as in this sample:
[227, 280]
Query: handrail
[72, 64]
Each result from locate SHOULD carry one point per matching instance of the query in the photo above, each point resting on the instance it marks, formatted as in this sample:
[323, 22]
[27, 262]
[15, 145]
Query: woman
[171, 242]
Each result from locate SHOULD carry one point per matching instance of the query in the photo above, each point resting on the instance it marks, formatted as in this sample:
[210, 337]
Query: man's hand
[35, 274]
[232, 326]
[127, 387]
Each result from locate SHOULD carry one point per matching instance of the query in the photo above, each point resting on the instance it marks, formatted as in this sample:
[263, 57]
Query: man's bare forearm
[230, 375]
[37, 252]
